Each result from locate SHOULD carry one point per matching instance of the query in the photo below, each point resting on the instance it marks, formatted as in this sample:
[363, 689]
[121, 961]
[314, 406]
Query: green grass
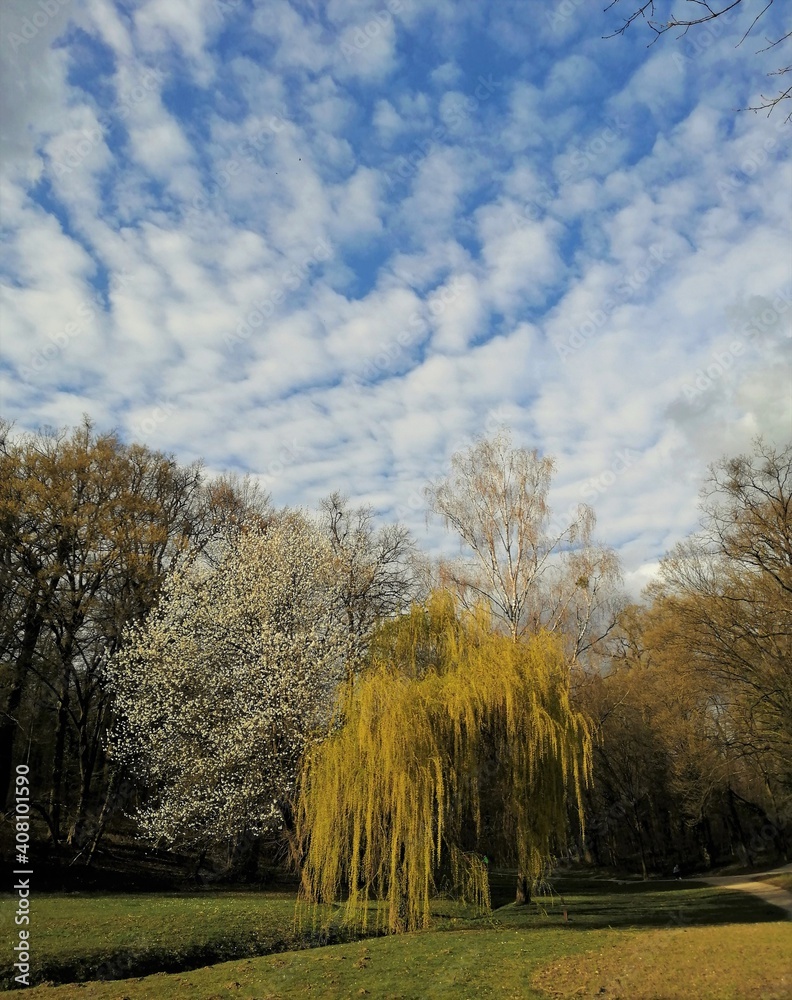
[450, 966]
[671, 930]
[79, 936]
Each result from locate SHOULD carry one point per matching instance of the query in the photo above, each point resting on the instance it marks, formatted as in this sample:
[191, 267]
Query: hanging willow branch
[453, 724]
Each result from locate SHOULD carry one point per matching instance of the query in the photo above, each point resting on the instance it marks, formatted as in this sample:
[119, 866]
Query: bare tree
[747, 504]
[374, 566]
[657, 17]
[495, 499]
[727, 593]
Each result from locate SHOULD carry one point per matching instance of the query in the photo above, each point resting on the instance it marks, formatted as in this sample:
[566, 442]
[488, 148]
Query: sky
[329, 244]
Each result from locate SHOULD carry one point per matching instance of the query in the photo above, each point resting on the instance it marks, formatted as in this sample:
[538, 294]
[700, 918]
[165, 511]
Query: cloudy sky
[329, 243]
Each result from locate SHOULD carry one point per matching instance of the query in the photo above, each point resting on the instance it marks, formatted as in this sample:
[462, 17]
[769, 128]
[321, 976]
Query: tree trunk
[89, 748]
[8, 728]
[108, 806]
[56, 788]
[199, 863]
[523, 896]
[640, 838]
[8, 722]
[735, 817]
[77, 830]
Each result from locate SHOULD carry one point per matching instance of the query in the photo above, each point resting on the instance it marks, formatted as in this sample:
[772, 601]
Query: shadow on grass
[592, 902]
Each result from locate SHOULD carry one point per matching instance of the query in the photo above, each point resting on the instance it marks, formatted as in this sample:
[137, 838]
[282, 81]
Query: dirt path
[752, 883]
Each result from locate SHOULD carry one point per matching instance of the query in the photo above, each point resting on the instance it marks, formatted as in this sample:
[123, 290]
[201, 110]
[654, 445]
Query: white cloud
[388, 121]
[32, 81]
[187, 24]
[323, 273]
[521, 257]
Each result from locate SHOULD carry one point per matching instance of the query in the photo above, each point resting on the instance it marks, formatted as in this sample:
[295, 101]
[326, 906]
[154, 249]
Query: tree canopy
[457, 741]
[533, 573]
[219, 689]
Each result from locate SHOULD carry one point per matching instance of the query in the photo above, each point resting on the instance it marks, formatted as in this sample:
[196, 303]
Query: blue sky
[329, 243]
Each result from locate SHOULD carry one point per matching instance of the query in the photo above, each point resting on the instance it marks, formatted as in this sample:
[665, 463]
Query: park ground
[592, 937]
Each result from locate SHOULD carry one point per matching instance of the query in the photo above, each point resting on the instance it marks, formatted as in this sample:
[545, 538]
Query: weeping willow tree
[456, 740]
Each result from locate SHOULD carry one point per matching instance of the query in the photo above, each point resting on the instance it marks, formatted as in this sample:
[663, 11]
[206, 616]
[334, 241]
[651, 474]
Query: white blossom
[221, 688]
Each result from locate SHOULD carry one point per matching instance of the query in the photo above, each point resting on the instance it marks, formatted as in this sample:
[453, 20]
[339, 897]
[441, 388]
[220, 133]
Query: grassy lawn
[729, 962]
[109, 936]
[639, 940]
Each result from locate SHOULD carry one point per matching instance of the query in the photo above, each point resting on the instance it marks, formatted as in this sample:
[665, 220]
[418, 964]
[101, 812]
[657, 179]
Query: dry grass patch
[710, 963]
[783, 881]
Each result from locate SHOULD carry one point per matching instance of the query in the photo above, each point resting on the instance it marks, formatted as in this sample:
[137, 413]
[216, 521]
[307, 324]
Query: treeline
[694, 765]
[173, 646]
[90, 528]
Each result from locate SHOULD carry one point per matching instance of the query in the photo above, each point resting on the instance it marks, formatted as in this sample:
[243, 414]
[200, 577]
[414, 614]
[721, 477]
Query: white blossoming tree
[220, 690]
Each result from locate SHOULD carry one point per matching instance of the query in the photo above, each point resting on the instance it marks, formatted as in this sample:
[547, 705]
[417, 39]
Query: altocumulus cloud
[327, 246]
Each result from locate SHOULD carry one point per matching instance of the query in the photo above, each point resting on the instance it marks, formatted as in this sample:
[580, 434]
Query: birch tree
[532, 575]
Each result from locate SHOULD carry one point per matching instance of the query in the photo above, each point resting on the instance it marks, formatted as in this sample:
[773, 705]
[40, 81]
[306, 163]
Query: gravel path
[752, 883]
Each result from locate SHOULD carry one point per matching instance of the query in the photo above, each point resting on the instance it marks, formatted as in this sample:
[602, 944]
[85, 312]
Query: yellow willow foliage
[449, 714]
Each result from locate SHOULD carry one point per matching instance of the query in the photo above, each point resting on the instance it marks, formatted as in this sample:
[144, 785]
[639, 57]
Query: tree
[659, 765]
[747, 503]
[495, 498]
[373, 567]
[220, 688]
[89, 528]
[727, 591]
[676, 776]
[704, 13]
[455, 741]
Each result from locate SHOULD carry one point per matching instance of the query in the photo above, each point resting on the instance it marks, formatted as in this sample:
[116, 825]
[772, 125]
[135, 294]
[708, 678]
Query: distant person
[677, 872]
